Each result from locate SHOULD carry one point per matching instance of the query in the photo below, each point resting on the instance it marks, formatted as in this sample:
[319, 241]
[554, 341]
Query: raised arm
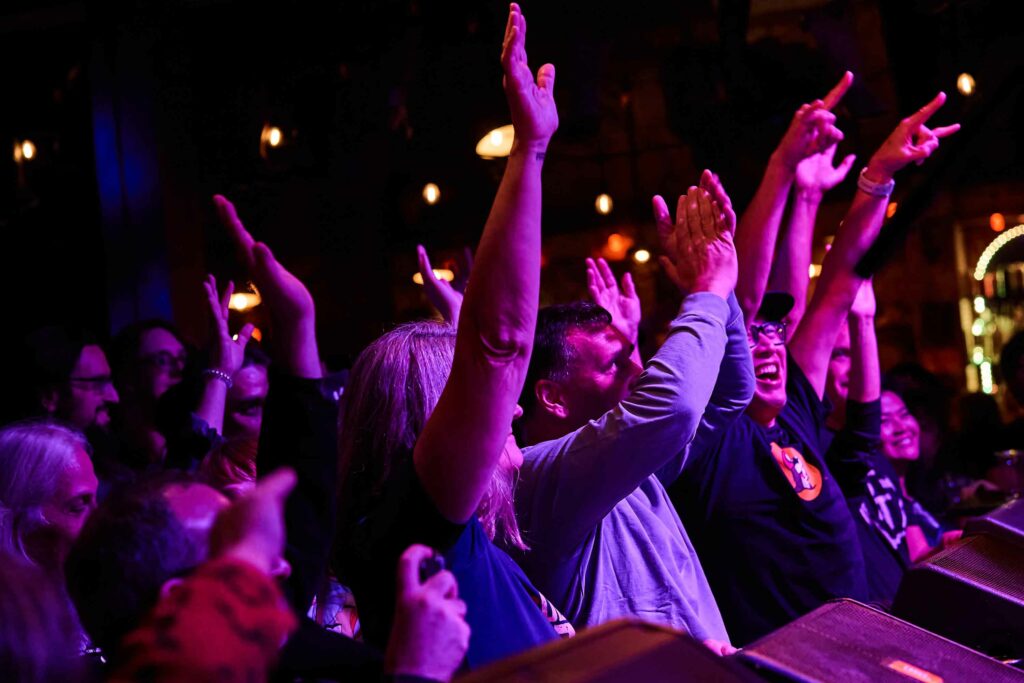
[910, 141]
[865, 373]
[815, 175]
[734, 386]
[811, 131]
[299, 428]
[580, 477]
[459, 447]
[226, 356]
[445, 297]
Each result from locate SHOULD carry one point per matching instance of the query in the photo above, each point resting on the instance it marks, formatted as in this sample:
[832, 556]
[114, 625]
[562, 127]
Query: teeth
[767, 369]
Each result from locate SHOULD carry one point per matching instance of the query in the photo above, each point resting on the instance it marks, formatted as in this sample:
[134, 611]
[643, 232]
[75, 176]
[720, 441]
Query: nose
[110, 394]
[518, 413]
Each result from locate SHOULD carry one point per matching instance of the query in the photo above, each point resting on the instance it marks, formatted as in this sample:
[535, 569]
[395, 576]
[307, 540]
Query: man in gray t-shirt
[604, 438]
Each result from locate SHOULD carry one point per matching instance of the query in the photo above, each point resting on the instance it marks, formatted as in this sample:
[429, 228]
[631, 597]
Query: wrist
[780, 165]
[810, 196]
[218, 375]
[876, 172]
[530, 149]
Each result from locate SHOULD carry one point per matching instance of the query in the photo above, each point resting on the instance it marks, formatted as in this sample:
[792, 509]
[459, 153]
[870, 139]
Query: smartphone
[431, 566]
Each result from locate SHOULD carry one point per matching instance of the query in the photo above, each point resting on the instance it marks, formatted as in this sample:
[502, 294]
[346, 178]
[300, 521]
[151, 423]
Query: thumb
[277, 485]
[845, 166]
[546, 78]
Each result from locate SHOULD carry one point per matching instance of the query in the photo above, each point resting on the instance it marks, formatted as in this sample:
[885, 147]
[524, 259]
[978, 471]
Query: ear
[48, 399]
[551, 398]
[169, 587]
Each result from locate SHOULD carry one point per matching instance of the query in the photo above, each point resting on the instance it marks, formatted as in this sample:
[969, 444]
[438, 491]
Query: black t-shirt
[770, 524]
[879, 508]
[503, 607]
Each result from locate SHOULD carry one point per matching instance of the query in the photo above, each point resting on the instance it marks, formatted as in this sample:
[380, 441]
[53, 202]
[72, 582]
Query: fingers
[239, 235]
[244, 335]
[692, 213]
[662, 218]
[409, 567]
[426, 271]
[225, 298]
[216, 312]
[277, 485]
[945, 131]
[719, 195]
[546, 77]
[709, 217]
[607, 276]
[593, 280]
[444, 584]
[628, 288]
[845, 165]
[922, 115]
[836, 93]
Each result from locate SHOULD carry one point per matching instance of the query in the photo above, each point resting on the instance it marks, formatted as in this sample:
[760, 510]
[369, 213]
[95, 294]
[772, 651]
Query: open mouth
[768, 372]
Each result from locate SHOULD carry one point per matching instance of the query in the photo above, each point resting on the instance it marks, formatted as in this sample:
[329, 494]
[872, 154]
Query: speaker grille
[988, 563]
[846, 641]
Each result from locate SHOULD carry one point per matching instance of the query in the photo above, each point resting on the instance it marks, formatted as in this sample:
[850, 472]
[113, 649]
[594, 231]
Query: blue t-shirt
[504, 610]
[770, 524]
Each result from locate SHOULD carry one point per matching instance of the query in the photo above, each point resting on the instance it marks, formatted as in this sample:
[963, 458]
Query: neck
[542, 427]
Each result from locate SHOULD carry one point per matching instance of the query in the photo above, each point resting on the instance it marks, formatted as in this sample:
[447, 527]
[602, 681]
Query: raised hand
[289, 303]
[531, 103]
[700, 254]
[817, 174]
[623, 304]
[429, 636]
[226, 354]
[446, 299]
[911, 141]
[813, 129]
[252, 528]
[285, 295]
[712, 184]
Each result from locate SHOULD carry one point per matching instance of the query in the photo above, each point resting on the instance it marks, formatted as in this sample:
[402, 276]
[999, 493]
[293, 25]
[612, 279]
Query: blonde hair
[392, 390]
[33, 454]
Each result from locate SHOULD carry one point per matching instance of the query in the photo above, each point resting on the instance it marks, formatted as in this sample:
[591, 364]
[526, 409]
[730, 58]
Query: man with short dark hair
[605, 438]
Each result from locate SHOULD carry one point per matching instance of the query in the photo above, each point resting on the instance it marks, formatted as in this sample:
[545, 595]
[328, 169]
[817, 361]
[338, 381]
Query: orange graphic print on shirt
[804, 477]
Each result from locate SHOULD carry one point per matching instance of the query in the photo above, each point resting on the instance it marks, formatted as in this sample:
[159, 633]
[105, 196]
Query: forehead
[158, 339]
[595, 342]
[78, 477]
[250, 382]
[91, 363]
[891, 403]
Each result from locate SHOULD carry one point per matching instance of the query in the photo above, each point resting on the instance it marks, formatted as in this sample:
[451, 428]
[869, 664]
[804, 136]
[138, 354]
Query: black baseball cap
[775, 306]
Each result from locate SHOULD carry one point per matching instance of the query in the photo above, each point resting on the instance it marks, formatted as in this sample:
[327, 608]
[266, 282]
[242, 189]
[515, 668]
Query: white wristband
[872, 188]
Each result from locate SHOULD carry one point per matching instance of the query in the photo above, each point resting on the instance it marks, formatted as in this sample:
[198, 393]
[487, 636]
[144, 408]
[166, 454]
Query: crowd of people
[486, 483]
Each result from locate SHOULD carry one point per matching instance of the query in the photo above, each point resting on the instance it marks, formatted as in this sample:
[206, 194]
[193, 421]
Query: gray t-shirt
[606, 541]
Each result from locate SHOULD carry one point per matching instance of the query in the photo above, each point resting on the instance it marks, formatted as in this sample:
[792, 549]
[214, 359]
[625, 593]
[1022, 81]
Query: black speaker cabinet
[1006, 522]
[622, 650]
[849, 642]
[972, 593]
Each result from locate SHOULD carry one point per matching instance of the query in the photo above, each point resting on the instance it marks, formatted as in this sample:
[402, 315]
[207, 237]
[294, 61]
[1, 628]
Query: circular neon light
[993, 248]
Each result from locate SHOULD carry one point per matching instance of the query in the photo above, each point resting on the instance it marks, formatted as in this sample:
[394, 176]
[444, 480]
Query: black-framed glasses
[96, 385]
[774, 331]
[165, 360]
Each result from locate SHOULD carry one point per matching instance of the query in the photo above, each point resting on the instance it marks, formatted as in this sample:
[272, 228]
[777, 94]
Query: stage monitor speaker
[622, 650]
[1005, 522]
[849, 642]
[972, 592]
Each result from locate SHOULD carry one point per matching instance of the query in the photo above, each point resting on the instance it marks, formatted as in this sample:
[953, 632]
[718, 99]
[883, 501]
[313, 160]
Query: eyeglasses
[96, 385]
[165, 360]
[774, 332]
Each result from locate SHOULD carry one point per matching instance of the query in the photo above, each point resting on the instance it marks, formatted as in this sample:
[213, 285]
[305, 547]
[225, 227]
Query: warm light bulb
[431, 193]
[28, 150]
[965, 84]
[439, 273]
[603, 204]
[890, 210]
[997, 222]
[642, 256]
[274, 136]
[497, 143]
